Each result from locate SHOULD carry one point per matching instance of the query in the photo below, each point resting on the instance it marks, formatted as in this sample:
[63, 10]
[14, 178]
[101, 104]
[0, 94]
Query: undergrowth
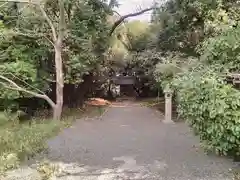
[19, 141]
[211, 107]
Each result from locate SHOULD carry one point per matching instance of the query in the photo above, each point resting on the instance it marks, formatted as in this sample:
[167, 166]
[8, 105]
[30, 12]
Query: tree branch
[118, 22]
[3, 4]
[61, 21]
[10, 81]
[127, 46]
[16, 87]
[35, 35]
[49, 80]
[26, 83]
[117, 13]
[49, 22]
[43, 13]
[49, 40]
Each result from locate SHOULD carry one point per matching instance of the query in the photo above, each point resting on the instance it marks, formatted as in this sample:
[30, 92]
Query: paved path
[131, 142]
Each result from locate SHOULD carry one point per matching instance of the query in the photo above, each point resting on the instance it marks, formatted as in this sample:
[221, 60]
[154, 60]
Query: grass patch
[23, 140]
[3, 119]
[18, 141]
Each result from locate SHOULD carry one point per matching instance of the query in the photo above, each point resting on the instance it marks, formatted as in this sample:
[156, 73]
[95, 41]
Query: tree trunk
[59, 63]
[57, 111]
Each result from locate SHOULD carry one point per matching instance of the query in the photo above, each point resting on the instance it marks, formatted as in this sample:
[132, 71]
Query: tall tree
[57, 42]
[29, 47]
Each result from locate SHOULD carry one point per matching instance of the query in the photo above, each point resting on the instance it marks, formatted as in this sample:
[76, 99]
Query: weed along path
[128, 142]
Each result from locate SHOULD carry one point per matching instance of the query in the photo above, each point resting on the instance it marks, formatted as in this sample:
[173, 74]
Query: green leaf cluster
[212, 108]
[183, 24]
[223, 50]
[22, 60]
[27, 55]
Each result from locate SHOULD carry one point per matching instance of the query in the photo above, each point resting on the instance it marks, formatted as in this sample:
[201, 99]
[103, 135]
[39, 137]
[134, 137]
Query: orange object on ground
[98, 102]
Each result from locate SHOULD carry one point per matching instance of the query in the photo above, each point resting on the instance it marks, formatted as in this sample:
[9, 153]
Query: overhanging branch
[50, 23]
[33, 35]
[122, 18]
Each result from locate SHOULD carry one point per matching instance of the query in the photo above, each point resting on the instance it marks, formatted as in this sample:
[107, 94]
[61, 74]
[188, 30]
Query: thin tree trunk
[56, 41]
[59, 83]
[59, 64]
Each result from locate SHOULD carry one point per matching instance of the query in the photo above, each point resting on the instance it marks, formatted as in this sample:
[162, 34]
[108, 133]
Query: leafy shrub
[3, 118]
[20, 141]
[223, 49]
[212, 108]
[172, 65]
[8, 161]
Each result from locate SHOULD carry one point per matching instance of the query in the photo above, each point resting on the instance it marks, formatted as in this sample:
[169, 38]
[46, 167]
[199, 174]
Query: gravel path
[131, 142]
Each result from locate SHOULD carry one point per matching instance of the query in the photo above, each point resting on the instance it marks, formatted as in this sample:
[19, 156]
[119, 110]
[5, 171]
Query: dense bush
[18, 141]
[223, 49]
[27, 54]
[212, 108]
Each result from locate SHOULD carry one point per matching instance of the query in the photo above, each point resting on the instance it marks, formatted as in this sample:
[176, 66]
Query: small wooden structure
[234, 79]
[124, 80]
[126, 84]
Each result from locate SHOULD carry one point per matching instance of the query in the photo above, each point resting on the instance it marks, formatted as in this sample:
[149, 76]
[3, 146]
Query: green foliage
[129, 52]
[143, 65]
[129, 39]
[3, 119]
[223, 50]
[184, 24]
[144, 62]
[8, 161]
[21, 140]
[138, 35]
[18, 141]
[212, 109]
[8, 117]
[171, 66]
[27, 55]
[87, 40]
[20, 61]
[208, 29]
